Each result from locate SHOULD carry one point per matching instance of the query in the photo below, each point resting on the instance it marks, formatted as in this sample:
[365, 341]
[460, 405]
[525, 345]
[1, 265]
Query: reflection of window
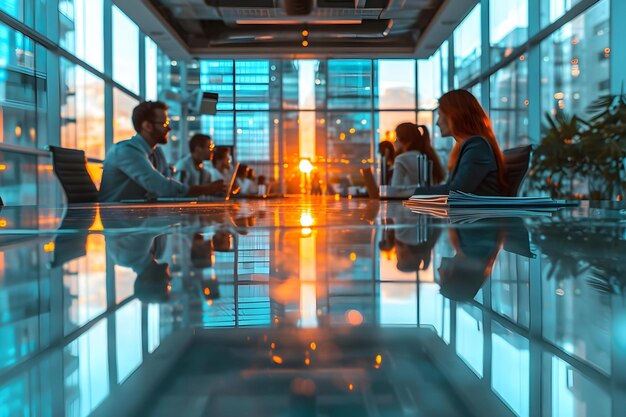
[509, 104]
[151, 70]
[22, 91]
[125, 51]
[508, 27]
[81, 30]
[349, 83]
[82, 110]
[551, 10]
[123, 106]
[572, 76]
[429, 83]
[467, 48]
[395, 88]
[469, 337]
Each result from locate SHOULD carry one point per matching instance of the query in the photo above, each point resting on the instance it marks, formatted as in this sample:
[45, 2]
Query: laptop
[200, 199]
[391, 193]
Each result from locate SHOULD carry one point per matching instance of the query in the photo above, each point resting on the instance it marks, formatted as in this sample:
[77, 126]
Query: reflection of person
[412, 250]
[476, 161]
[477, 248]
[136, 168]
[138, 251]
[412, 141]
[201, 251]
[190, 169]
[387, 154]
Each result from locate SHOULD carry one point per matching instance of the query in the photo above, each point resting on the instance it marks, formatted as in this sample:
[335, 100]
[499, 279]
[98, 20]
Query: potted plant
[574, 151]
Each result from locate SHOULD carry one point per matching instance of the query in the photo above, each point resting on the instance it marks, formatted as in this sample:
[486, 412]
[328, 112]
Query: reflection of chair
[70, 167]
[516, 160]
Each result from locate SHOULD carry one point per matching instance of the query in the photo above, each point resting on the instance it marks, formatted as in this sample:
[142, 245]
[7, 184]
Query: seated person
[245, 180]
[220, 167]
[412, 141]
[132, 170]
[476, 161]
[387, 153]
[190, 169]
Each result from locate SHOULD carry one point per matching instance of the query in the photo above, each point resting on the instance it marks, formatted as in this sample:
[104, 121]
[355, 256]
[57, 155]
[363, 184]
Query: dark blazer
[475, 172]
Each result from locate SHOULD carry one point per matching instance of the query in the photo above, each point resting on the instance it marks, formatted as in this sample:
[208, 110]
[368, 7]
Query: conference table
[308, 306]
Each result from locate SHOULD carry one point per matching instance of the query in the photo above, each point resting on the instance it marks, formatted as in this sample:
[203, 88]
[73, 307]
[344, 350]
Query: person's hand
[215, 187]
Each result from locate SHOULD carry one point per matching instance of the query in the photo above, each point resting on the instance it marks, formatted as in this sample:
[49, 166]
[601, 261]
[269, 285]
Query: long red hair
[467, 118]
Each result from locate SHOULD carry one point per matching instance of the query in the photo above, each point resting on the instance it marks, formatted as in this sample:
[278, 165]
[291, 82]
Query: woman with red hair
[476, 162]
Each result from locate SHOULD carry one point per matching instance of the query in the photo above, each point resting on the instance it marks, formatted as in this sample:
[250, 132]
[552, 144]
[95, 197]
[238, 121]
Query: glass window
[509, 104]
[29, 12]
[348, 146]
[220, 127]
[508, 27]
[349, 84]
[257, 85]
[395, 88]
[22, 90]
[253, 136]
[386, 122]
[125, 51]
[151, 70]
[82, 110]
[218, 77]
[429, 84]
[469, 337]
[467, 48]
[123, 106]
[510, 368]
[551, 10]
[81, 30]
[18, 178]
[575, 63]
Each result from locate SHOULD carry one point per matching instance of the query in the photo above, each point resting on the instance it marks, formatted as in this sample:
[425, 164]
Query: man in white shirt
[191, 169]
[133, 170]
[219, 168]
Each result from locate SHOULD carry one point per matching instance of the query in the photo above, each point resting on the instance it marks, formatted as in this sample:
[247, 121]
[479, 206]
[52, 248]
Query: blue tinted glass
[349, 84]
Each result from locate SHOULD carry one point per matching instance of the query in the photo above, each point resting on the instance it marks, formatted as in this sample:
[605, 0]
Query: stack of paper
[471, 215]
[459, 199]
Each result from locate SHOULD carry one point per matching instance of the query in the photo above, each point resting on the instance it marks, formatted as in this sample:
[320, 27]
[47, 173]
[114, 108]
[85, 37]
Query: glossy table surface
[311, 307]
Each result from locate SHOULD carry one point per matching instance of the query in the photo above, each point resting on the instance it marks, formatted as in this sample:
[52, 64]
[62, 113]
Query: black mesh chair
[70, 167]
[517, 161]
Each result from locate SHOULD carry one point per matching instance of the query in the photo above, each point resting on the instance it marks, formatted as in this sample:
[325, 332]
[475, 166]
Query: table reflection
[519, 316]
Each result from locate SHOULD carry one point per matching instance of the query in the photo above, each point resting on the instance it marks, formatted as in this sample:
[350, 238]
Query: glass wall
[57, 95]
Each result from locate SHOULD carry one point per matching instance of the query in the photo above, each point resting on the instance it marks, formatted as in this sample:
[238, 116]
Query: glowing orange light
[379, 359]
[48, 247]
[350, 387]
[306, 220]
[342, 136]
[277, 359]
[313, 346]
[354, 317]
[3, 167]
[521, 58]
[305, 43]
[305, 166]
[273, 345]
[209, 302]
[207, 291]
[3, 223]
[305, 32]
[526, 102]
[352, 256]
[307, 361]
[276, 321]
[352, 130]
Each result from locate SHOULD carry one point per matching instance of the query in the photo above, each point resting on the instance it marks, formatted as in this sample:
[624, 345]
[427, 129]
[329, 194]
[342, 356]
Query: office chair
[70, 167]
[517, 161]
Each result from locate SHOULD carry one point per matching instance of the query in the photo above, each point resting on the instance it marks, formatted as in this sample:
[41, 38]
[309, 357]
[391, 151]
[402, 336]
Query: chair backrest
[517, 161]
[70, 167]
